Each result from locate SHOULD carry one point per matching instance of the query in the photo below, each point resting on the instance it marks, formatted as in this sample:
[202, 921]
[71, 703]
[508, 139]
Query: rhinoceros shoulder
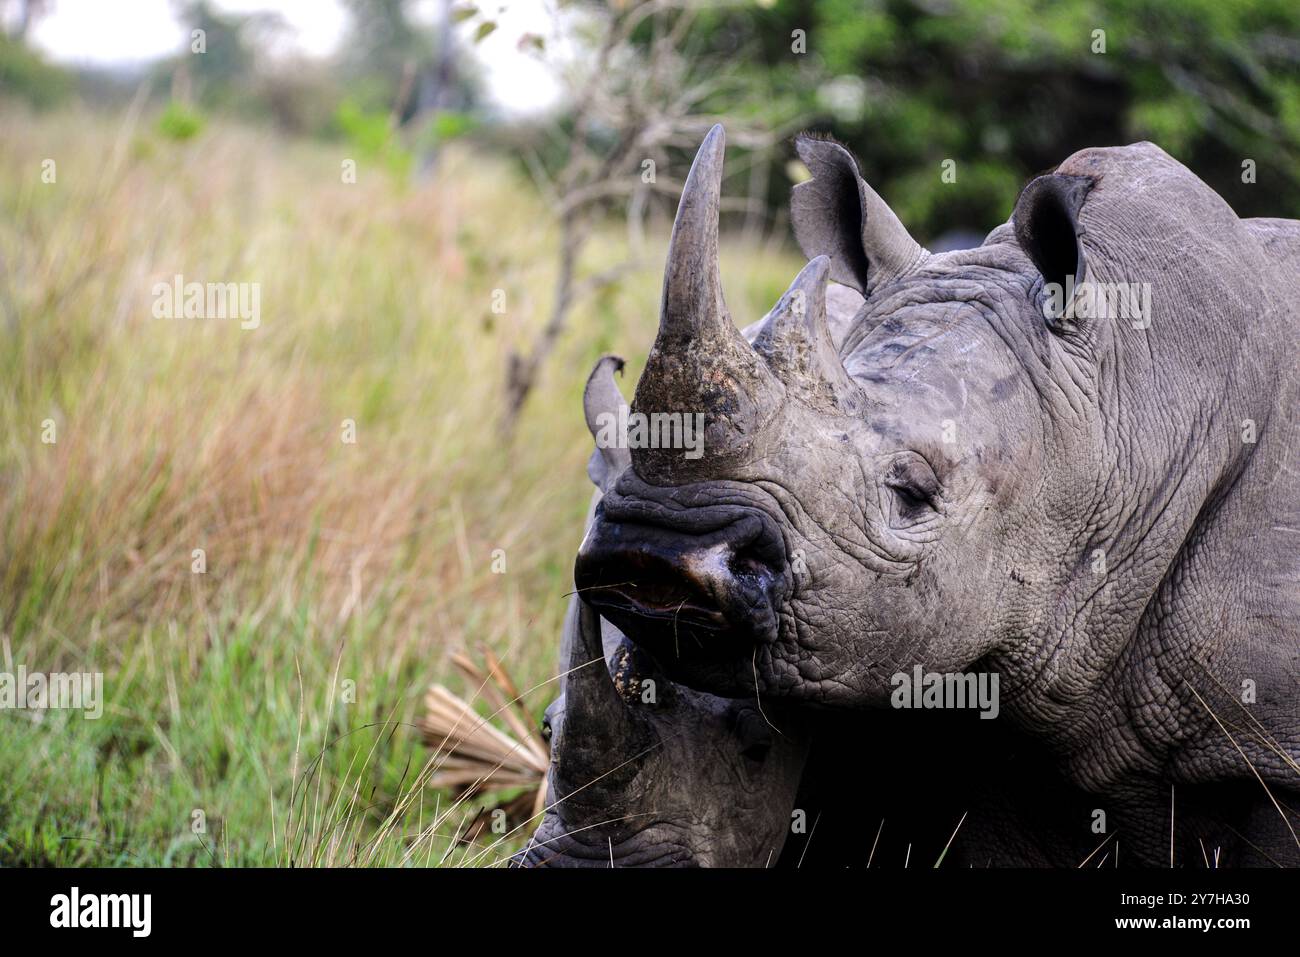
[1279, 238]
[1136, 160]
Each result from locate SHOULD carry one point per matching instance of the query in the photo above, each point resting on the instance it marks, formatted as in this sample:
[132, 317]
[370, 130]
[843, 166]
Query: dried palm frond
[477, 756]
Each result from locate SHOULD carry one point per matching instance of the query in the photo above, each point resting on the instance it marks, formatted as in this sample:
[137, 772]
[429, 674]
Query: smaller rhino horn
[796, 342]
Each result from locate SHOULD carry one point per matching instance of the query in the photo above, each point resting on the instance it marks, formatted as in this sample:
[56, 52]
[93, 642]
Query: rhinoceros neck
[1182, 652]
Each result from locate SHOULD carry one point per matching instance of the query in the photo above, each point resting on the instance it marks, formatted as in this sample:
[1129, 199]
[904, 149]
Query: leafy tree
[24, 74]
[1008, 88]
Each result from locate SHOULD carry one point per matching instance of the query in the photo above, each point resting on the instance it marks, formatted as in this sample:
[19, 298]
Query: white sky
[109, 32]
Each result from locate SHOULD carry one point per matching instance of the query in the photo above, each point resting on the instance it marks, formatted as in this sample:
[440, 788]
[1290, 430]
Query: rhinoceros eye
[914, 487]
[910, 498]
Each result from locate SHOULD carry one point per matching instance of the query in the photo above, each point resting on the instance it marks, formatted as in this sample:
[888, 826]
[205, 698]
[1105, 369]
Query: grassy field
[276, 692]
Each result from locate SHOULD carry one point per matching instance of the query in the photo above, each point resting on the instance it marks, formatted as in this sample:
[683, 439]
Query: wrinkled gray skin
[646, 773]
[934, 482]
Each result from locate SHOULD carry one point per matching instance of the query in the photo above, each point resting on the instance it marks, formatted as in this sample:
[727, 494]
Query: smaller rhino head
[645, 772]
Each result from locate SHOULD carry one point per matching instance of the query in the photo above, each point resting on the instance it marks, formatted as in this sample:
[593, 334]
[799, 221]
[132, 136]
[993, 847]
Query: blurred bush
[372, 136]
[179, 122]
[25, 76]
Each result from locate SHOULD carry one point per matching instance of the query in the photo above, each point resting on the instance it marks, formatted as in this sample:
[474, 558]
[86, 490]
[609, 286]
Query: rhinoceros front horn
[700, 364]
[693, 307]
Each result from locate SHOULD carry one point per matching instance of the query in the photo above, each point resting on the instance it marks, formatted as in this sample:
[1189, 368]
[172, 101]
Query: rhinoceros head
[857, 505]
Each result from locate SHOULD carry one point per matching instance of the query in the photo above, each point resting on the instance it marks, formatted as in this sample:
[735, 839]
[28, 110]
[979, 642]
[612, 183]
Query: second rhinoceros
[989, 469]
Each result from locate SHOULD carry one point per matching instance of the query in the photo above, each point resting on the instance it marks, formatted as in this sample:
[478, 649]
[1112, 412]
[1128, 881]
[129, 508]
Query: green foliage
[1008, 88]
[1173, 122]
[449, 125]
[179, 122]
[371, 134]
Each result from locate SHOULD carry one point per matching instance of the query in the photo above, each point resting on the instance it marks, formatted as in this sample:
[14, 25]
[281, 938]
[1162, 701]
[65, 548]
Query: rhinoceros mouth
[658, 608]
[653, 591]
[645, 605]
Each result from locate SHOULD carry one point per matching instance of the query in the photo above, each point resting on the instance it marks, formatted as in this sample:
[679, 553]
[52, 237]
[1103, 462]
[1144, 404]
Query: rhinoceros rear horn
[700, 364]
[797, 344]
[837, 214]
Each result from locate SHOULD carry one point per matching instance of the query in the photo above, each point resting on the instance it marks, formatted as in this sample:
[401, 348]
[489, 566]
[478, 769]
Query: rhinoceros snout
[685, 596]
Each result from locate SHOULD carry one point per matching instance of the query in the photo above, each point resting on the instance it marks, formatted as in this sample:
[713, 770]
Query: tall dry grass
[339, 577]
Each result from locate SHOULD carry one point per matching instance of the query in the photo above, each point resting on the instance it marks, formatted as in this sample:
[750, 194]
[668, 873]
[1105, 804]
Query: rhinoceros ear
[1046, 223]
[605, 410]
[837, 214]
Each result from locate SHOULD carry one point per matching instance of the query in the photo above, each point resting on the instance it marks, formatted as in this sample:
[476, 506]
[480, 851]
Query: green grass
[327, 563]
